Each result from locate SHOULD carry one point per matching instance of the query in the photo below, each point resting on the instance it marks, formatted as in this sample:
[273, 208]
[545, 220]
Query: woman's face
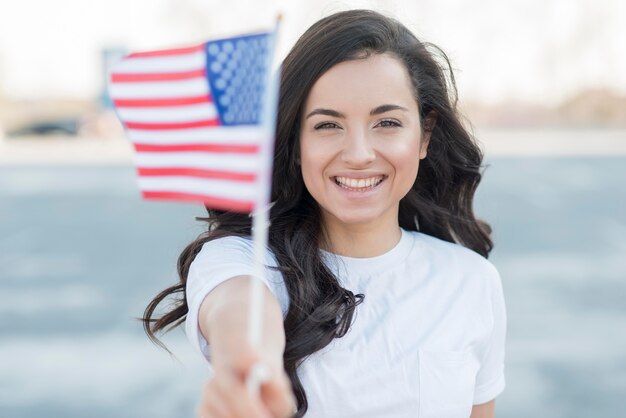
[361, 141]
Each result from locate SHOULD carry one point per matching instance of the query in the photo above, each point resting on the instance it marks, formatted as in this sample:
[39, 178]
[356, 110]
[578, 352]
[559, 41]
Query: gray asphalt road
[80, 255]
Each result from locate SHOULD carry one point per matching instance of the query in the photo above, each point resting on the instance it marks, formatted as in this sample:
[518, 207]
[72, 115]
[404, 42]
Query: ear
[429, 124]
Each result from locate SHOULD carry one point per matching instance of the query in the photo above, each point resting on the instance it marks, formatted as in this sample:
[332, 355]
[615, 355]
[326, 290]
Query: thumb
[277, 395]
[258, 374]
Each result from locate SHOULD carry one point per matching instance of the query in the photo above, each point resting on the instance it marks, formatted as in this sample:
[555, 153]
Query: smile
[358, 184]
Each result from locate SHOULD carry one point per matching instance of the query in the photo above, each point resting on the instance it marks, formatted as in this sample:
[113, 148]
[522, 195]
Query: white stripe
[159, 89]
[174, 64]
[246, 163]
[196, 112]
[211, 187]
[235, 135]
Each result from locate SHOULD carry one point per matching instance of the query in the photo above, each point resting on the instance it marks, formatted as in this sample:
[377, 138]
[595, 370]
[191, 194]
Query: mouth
[358, 185]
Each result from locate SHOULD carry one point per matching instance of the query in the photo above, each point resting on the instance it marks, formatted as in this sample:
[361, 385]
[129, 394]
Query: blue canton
[237, 71]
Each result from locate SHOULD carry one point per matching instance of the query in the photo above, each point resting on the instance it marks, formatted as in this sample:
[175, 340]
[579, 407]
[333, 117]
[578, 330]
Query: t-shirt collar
[370, 265]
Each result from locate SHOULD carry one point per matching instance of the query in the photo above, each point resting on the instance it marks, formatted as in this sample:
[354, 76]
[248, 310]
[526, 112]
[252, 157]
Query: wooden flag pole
[260, 224]
[258, 373]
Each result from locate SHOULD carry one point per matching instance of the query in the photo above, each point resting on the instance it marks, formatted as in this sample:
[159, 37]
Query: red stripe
[171, 126]
[178, 101]
[210, 201]
[167, 52]
[141, 77]
[196, 172]
[216, 148]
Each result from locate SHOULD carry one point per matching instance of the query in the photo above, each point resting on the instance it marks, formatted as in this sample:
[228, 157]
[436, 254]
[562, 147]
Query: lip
[358, 194]
[358, 176]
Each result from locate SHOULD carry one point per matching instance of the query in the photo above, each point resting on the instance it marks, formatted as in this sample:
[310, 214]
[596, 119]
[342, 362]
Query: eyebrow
[326, 112]
[387, 108]
[376, 111]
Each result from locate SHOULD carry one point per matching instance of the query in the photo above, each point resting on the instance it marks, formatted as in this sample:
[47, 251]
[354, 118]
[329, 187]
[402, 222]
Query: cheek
[408, 170]
[310, 167]
[409, 149]
[406, 163]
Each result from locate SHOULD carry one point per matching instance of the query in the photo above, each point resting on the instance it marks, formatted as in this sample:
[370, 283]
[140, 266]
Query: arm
[486, 410]
[223, 321]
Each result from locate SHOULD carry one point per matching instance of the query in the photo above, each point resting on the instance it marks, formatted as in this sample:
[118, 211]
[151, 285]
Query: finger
[278, 396]
[233, 391]
[210, 411]
[212, 405]
[259, 374]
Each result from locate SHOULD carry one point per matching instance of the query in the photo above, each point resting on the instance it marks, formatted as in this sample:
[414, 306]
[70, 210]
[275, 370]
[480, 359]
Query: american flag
[199, 121]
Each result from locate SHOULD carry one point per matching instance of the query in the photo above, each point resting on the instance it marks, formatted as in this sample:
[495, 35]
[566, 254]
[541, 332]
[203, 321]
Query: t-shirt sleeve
[219, 260]
[490, 377]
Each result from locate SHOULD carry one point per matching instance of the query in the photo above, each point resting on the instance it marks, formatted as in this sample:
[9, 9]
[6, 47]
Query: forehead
[372, 81]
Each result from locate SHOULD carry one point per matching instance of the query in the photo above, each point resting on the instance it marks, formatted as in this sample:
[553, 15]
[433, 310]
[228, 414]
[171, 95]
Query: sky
[528, 51]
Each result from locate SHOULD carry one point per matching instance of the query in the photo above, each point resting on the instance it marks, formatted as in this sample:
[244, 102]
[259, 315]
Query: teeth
[360, 183]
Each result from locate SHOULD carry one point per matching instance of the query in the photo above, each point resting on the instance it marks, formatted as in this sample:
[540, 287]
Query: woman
[379, 300]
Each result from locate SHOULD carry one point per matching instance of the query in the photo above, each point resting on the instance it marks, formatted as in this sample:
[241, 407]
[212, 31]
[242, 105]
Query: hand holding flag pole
[202, 123]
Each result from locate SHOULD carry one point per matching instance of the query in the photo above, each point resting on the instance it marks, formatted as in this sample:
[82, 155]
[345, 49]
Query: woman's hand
[223, 322]
[226, 395]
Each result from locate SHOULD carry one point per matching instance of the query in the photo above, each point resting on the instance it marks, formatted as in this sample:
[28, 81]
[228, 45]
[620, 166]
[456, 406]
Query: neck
[361, 241]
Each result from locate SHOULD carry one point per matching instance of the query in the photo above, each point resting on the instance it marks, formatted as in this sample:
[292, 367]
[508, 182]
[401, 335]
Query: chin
[356, 217]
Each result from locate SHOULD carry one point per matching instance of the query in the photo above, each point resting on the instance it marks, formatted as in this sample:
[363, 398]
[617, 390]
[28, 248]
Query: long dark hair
[439, 203]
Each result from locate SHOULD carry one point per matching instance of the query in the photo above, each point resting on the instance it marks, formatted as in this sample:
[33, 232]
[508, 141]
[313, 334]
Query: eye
[326, 125]
[389, 123]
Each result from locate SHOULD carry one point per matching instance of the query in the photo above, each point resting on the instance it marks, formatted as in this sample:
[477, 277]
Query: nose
[358, 150]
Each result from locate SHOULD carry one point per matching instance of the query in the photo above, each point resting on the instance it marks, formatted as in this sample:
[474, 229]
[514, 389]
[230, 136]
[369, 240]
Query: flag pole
[260, 223]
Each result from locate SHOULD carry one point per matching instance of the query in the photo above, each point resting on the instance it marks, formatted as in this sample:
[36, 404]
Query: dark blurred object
[57, 117]
[66, 126]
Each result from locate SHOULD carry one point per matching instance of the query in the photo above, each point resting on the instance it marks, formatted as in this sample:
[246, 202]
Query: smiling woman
[380, 300]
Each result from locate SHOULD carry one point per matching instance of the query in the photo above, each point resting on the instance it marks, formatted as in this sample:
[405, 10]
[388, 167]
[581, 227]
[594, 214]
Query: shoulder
[451, 251]
[450, 256]
[227, 244]
[229, 249]
[226, 257]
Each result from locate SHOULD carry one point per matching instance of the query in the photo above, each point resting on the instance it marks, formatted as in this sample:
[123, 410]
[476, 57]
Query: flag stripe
[162, 64]
[195, 172]
[176, 114]
[143, 77]
[236, 190]
[167, 52]
[224, 135]
[160, 90]
[216, 148]
[176, 101]
[210, 201]
[227, 162]
[166, 126]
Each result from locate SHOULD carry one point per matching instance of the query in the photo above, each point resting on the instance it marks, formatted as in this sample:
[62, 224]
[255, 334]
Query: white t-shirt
[427, 341]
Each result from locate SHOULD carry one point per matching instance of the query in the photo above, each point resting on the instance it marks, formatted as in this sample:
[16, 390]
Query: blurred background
[542, 84]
